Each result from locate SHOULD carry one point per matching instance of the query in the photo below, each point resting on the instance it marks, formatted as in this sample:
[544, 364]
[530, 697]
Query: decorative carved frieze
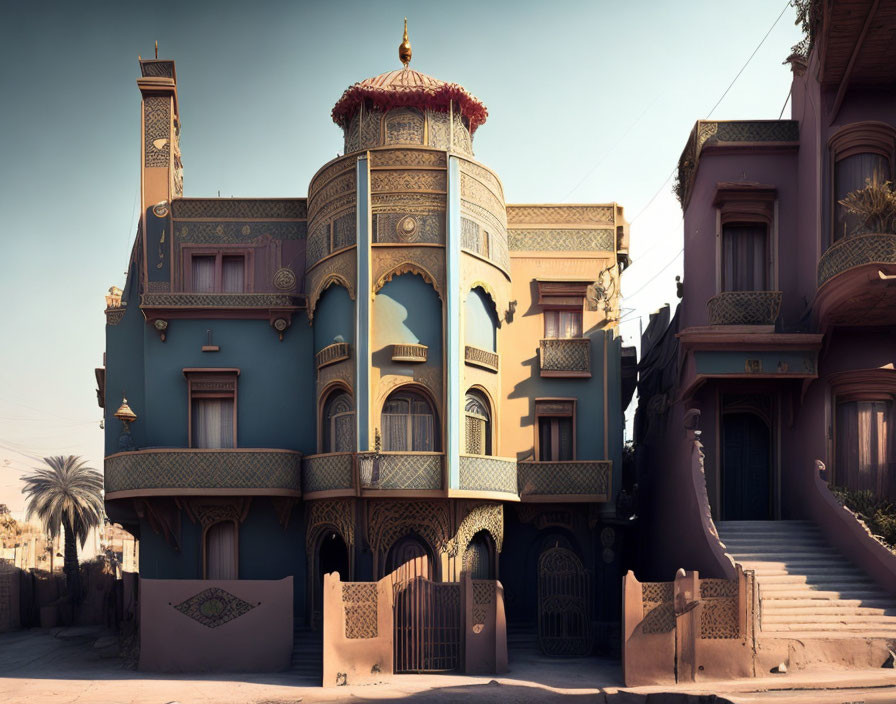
[156, 131]
[406, 157]
[562, 215]
[335, 514]
[536, 240]
[388, 520]
[488, 517]
[427, 262]
[239, 208]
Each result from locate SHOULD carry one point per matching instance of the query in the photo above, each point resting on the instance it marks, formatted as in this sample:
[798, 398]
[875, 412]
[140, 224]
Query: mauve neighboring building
[774, 379]
[400, 379]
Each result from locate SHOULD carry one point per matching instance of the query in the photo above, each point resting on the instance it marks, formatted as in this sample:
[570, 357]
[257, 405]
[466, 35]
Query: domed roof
[406, 87]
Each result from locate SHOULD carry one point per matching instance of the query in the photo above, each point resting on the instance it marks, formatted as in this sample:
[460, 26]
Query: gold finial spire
[157, 48]
[404, 49]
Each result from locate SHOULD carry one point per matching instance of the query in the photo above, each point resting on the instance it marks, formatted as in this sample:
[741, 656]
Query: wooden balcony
[567, 481]
[337, 352]
[565, 357]
[401, 471]
[856, 276]
[477, 357]
[744, 308]
[182, 471]
[409, 353]
[333, 473]
[481, 473]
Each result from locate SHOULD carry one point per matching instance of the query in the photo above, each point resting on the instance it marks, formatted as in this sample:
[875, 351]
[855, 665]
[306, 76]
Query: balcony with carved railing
[169, 472]
[477, 357]
[401, 471]
[331, 354]
[567, 481]
[409, 353]
[569, 357]
[488, 474]
[744, 308]
[333, 473]
[855, 281]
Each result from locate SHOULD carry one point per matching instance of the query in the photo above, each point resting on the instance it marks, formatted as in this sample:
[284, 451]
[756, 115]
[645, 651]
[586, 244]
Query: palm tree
[67, 494]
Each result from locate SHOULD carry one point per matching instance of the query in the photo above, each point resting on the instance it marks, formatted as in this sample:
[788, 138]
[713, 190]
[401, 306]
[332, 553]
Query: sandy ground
[38, 667]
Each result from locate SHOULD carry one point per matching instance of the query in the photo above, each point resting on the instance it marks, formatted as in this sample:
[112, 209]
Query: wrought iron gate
[428, 625]
[564, 604]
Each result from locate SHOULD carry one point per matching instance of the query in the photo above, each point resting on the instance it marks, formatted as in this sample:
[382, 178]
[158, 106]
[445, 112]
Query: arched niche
[480, 321]
[334, 317]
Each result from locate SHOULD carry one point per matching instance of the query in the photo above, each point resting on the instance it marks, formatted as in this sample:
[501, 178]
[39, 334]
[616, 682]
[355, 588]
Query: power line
[718, 102]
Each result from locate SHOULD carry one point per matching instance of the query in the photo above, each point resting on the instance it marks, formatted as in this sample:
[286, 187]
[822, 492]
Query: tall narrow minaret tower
[161, 171]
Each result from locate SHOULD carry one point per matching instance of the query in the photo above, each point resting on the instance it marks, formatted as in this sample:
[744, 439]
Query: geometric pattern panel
[572, 355]
[327, 472]
[856, 251]
[744, 308]
[483, 598]
[236, 232]
[718, 618]
[214, 607]
[657, 607]
[359, 600]
[488, 474]
[585, 477]
[603, 240]
[710, 588]
[203, 469]
[410, 471]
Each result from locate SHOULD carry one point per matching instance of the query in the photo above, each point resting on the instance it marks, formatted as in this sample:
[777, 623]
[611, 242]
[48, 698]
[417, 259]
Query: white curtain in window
[213, 422]
[233, 272]
[562, 324]
[220, 551]
[395, 432]
[744, 264]
[203, 274]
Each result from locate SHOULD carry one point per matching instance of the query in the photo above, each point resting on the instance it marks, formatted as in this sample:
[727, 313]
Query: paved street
[64, 666]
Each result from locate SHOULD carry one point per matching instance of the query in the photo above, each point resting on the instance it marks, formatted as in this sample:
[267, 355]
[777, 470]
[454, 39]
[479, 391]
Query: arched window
[408, 423]
[478, 424]
[862, 153]
[220, 551]
[338, 433]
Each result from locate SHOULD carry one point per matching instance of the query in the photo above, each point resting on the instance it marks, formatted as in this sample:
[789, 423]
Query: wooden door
[746, 468]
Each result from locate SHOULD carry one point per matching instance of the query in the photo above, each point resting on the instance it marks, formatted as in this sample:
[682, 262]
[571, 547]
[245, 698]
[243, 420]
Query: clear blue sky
[588, 102]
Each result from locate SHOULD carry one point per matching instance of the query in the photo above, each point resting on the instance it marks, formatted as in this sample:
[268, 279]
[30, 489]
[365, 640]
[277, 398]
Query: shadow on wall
[407, 310]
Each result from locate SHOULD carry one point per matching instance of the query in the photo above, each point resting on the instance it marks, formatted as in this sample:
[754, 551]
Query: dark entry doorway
[332, 556]
[746, 467]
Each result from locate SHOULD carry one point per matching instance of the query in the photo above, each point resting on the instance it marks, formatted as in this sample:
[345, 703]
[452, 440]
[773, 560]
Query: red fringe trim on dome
[437, 99]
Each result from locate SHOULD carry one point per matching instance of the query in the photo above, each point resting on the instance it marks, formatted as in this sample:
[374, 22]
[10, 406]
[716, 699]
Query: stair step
[835, 581]
[802, 601]
[858, 620]
[863, 629]
[833, 611]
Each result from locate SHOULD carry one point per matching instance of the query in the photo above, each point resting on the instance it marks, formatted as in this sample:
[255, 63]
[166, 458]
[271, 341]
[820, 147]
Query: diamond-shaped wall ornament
[214, 607]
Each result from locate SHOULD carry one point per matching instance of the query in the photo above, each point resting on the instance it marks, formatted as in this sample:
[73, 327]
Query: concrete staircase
[807, 589]
[307, 654]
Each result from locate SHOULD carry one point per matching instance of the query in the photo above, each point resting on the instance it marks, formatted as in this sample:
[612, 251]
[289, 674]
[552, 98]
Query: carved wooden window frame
[189, 251]
[562, 296]
[867, 137]
[211, 383]
[554, 408]
[747, 204]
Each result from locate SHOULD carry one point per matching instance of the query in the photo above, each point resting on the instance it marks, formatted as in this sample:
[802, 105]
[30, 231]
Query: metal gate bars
[564, 613]
[427, 625]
